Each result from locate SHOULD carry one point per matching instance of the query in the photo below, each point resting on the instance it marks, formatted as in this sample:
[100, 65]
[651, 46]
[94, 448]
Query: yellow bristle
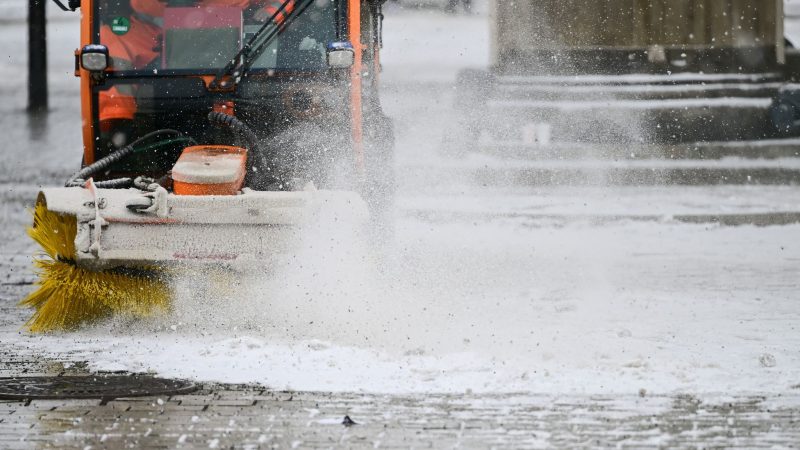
[55, 233]
[69, 296]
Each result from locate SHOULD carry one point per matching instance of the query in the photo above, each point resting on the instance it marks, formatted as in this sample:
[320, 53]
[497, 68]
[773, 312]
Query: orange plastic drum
[210, 170]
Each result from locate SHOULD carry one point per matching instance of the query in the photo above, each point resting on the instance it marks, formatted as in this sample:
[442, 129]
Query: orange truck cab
[300, 75]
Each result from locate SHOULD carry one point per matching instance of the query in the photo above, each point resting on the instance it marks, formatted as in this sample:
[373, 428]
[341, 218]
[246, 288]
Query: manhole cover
[94, 386]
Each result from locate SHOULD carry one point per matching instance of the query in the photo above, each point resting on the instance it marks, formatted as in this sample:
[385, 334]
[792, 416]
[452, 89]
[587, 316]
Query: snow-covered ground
[481, 302]
[492, 307]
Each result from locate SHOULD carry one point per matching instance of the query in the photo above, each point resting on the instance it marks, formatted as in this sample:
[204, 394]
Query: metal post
[37, 56]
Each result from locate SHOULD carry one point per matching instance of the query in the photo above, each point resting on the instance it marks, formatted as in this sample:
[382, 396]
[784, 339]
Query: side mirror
[341, 55]
[94, 57]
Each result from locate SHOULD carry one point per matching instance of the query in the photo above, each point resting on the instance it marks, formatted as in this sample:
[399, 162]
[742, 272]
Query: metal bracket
[98, 223]
[154, 202]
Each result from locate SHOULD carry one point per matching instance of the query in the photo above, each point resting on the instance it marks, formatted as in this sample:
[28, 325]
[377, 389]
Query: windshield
[154, 35]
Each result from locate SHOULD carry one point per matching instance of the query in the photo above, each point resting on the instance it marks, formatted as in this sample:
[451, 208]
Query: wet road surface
[43, 150]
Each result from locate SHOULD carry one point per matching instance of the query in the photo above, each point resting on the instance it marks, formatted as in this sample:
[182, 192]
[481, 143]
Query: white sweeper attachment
[110, 249]
[245, 228]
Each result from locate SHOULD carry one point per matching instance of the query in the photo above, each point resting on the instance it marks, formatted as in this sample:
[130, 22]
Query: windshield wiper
[238, 66]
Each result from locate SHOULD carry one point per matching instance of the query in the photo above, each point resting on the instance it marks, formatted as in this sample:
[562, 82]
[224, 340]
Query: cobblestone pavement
[249, 417]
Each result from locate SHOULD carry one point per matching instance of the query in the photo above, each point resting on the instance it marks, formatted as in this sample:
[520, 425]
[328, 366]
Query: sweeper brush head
[69, 296]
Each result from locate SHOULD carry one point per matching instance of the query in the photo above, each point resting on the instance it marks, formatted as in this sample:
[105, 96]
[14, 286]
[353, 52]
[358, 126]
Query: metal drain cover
[90, 386]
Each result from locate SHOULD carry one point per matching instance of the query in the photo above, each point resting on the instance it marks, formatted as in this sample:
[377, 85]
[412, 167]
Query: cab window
[153, 35]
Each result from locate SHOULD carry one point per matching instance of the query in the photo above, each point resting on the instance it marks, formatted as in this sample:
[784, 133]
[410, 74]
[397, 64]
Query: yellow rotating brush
[69, 296]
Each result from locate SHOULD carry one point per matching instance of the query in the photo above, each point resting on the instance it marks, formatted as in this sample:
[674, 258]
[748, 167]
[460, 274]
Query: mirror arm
[71, 5]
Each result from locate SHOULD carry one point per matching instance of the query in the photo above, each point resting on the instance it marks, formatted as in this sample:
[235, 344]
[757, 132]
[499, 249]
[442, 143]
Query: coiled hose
[237, 126]
[80, 177]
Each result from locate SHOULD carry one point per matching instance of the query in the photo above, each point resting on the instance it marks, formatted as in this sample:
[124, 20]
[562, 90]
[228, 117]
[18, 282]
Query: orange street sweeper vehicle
[212, 130]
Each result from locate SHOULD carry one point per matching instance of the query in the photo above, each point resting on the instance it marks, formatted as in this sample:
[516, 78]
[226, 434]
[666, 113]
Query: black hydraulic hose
[273, 34]
[237, 126]
[233, 67]
[241, 62]
[80, 177]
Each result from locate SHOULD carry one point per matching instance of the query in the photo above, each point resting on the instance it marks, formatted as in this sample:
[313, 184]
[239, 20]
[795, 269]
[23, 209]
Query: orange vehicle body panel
[87, 13]
[354, 33]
